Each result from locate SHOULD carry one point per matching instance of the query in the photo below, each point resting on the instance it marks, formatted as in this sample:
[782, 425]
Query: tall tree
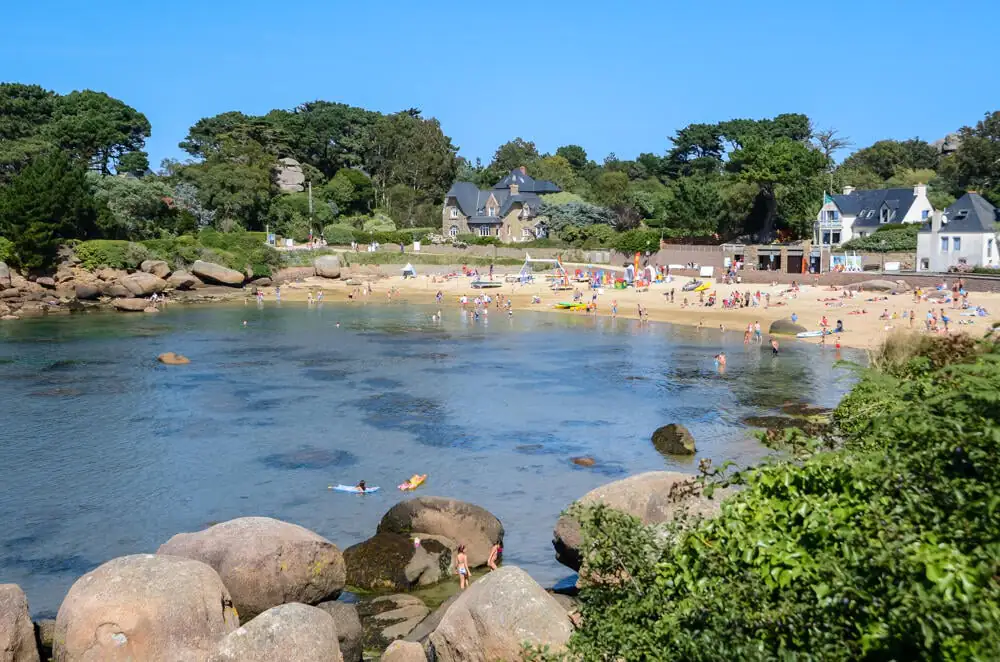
[575, 155]
[977, 162]
[97, 129]
[886, 156]
[510, 155]
[42, 206]
[554, 169]
[129, 207]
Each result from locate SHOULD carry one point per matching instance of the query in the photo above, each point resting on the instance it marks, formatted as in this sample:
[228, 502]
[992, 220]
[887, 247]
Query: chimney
[848, 190]
[514, 188]
[937, 218]
[524, 171]
[920, 190]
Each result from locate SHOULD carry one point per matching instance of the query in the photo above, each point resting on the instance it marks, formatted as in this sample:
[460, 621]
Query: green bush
[379, 223]
[115, 254]
[6, 250]
[879, 540]
[893, 238]
[477, 240]
[637, 241]
[338, 235]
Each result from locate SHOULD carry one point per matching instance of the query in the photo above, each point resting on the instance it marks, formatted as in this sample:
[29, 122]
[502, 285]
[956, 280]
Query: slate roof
[859, 203]
[970, 213]
[472, 201]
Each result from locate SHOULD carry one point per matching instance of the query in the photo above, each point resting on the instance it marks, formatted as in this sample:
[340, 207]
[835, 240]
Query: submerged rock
[390, 617]
[170, 358]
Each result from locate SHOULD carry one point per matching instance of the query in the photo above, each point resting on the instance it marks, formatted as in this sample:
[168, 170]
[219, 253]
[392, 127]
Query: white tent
[408, 270]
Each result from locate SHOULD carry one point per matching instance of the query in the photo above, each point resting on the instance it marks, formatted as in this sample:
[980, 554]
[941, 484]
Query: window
[989, 248]
[492, 211]
[836, 237]
[924, 214]
[484, 230]
[454, 212]
[883, 215]
[862, 234]
[453, 231]
[871, 212]
[826, 238]
[525, 211]
[956, 244]
[944, 244]
[526, 233]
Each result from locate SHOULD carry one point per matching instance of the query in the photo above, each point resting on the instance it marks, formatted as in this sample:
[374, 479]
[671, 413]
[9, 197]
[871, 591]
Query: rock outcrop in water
[17, 633]
[265, 562]
[170, 358]
[496, 616]
[674, 439]
[392, 562]
[654, 497]
[462, 522]
[289, 633]
[144, 607]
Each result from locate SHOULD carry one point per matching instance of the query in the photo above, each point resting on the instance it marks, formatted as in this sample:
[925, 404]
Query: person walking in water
[496, 553]
[462, 565]
[774, 347]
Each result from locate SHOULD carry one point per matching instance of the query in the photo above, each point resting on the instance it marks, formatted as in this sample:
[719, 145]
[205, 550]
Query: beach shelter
[409, 271]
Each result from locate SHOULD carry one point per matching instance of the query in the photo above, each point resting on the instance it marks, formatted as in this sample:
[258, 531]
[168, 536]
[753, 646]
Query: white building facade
[853, 213]
[964, 234]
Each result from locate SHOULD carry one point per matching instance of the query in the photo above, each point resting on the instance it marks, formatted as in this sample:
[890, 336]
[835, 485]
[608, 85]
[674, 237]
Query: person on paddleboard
[361, 486]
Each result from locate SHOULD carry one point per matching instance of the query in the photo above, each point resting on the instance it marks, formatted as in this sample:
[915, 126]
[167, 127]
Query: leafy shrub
[115, 254]
[340, 235]
[6, 250]
[881, 542]
[379, 223]
[893, 238]
[477, 240]
[637, 241]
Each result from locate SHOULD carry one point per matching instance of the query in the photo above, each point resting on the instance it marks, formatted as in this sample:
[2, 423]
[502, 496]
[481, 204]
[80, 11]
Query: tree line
[74, 167]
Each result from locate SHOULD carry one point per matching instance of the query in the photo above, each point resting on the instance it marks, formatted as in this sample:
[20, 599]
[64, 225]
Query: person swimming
[774, 347]
[720, 359]
[361, 486]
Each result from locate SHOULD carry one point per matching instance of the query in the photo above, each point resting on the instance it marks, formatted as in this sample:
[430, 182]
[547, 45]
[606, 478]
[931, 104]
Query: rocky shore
[258, 589]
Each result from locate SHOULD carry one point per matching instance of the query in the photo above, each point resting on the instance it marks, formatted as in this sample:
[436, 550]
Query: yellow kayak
[704, 286]
[416, 480]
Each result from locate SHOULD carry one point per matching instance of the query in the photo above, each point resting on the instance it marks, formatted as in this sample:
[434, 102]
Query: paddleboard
[352, 488]
[704, 286]
[809, 334]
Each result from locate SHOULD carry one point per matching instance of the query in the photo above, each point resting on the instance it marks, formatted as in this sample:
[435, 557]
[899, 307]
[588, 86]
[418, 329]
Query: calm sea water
[105, 452]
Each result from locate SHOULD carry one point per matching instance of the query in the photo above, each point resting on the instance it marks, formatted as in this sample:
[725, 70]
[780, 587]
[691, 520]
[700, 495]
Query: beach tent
[409, 271]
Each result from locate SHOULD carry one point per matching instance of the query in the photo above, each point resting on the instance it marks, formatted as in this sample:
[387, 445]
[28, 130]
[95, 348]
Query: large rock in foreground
[215, 273]
[17, 632]
[496, 615]
[785, 327]
[141, 284]
[265, 562]
[349, 632]
[327, 266]
[654, 497]
[674, 439]
[144, 607]
[465, 523]
[289, 633]
[390, 561]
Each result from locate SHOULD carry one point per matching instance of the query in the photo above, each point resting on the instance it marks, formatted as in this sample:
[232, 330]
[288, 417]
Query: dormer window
[871, 212]
[454, 212]
[883, 215]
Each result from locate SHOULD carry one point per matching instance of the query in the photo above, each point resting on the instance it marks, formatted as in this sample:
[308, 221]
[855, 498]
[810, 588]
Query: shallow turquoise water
[105, 452]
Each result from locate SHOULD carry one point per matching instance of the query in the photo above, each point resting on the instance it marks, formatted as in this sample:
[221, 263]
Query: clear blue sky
[611, 76]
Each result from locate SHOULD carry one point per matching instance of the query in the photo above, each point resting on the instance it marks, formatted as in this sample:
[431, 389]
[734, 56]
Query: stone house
[508, 211]
[965, 234]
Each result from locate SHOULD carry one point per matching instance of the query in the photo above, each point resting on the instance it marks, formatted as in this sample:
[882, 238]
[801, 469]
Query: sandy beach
[862, 314]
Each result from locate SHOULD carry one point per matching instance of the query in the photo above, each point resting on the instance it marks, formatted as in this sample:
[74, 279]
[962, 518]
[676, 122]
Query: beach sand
[862, 330]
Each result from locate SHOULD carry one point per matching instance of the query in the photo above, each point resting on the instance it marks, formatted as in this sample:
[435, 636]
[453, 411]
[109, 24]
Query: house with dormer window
[508, 211]
[964, 235]
[855, 213]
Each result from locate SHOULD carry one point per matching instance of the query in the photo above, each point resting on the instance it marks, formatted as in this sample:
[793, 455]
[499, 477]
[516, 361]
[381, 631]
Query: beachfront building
[855, 213]
[964, 234]
[508, 211]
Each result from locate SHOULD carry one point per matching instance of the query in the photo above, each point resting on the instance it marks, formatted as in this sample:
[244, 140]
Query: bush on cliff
[879, 543]
[6, 250]
[99, 253]
[236, 250]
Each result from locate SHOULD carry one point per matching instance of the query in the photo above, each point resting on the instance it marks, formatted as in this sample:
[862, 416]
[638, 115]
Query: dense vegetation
[73, 167]
[880, 540]
[887, 239]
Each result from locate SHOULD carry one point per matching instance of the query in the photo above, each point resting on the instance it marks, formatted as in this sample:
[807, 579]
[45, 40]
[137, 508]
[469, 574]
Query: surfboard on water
[809, 334]
[353, 488]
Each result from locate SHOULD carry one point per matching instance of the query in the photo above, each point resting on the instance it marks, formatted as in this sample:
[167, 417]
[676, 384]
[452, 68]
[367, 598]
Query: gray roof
[526, 183]
[859, 203]
[472, 201]
[970, 213]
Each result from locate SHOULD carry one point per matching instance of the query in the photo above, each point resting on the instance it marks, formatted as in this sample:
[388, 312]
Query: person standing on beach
[462, 567]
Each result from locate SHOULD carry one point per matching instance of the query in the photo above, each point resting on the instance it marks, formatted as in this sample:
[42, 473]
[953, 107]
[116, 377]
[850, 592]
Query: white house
[859, 213]
[964, 234]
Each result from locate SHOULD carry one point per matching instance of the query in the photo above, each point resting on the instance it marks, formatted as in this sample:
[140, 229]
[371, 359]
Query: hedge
[99, 253]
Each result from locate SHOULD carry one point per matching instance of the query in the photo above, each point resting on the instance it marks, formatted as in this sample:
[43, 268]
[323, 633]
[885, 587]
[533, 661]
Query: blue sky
[611, 76]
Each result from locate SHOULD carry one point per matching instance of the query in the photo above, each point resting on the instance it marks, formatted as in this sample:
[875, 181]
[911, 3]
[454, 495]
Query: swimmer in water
[338, 325]
[361, 486]
[244, 322]
[720, 359]
[774, 347]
